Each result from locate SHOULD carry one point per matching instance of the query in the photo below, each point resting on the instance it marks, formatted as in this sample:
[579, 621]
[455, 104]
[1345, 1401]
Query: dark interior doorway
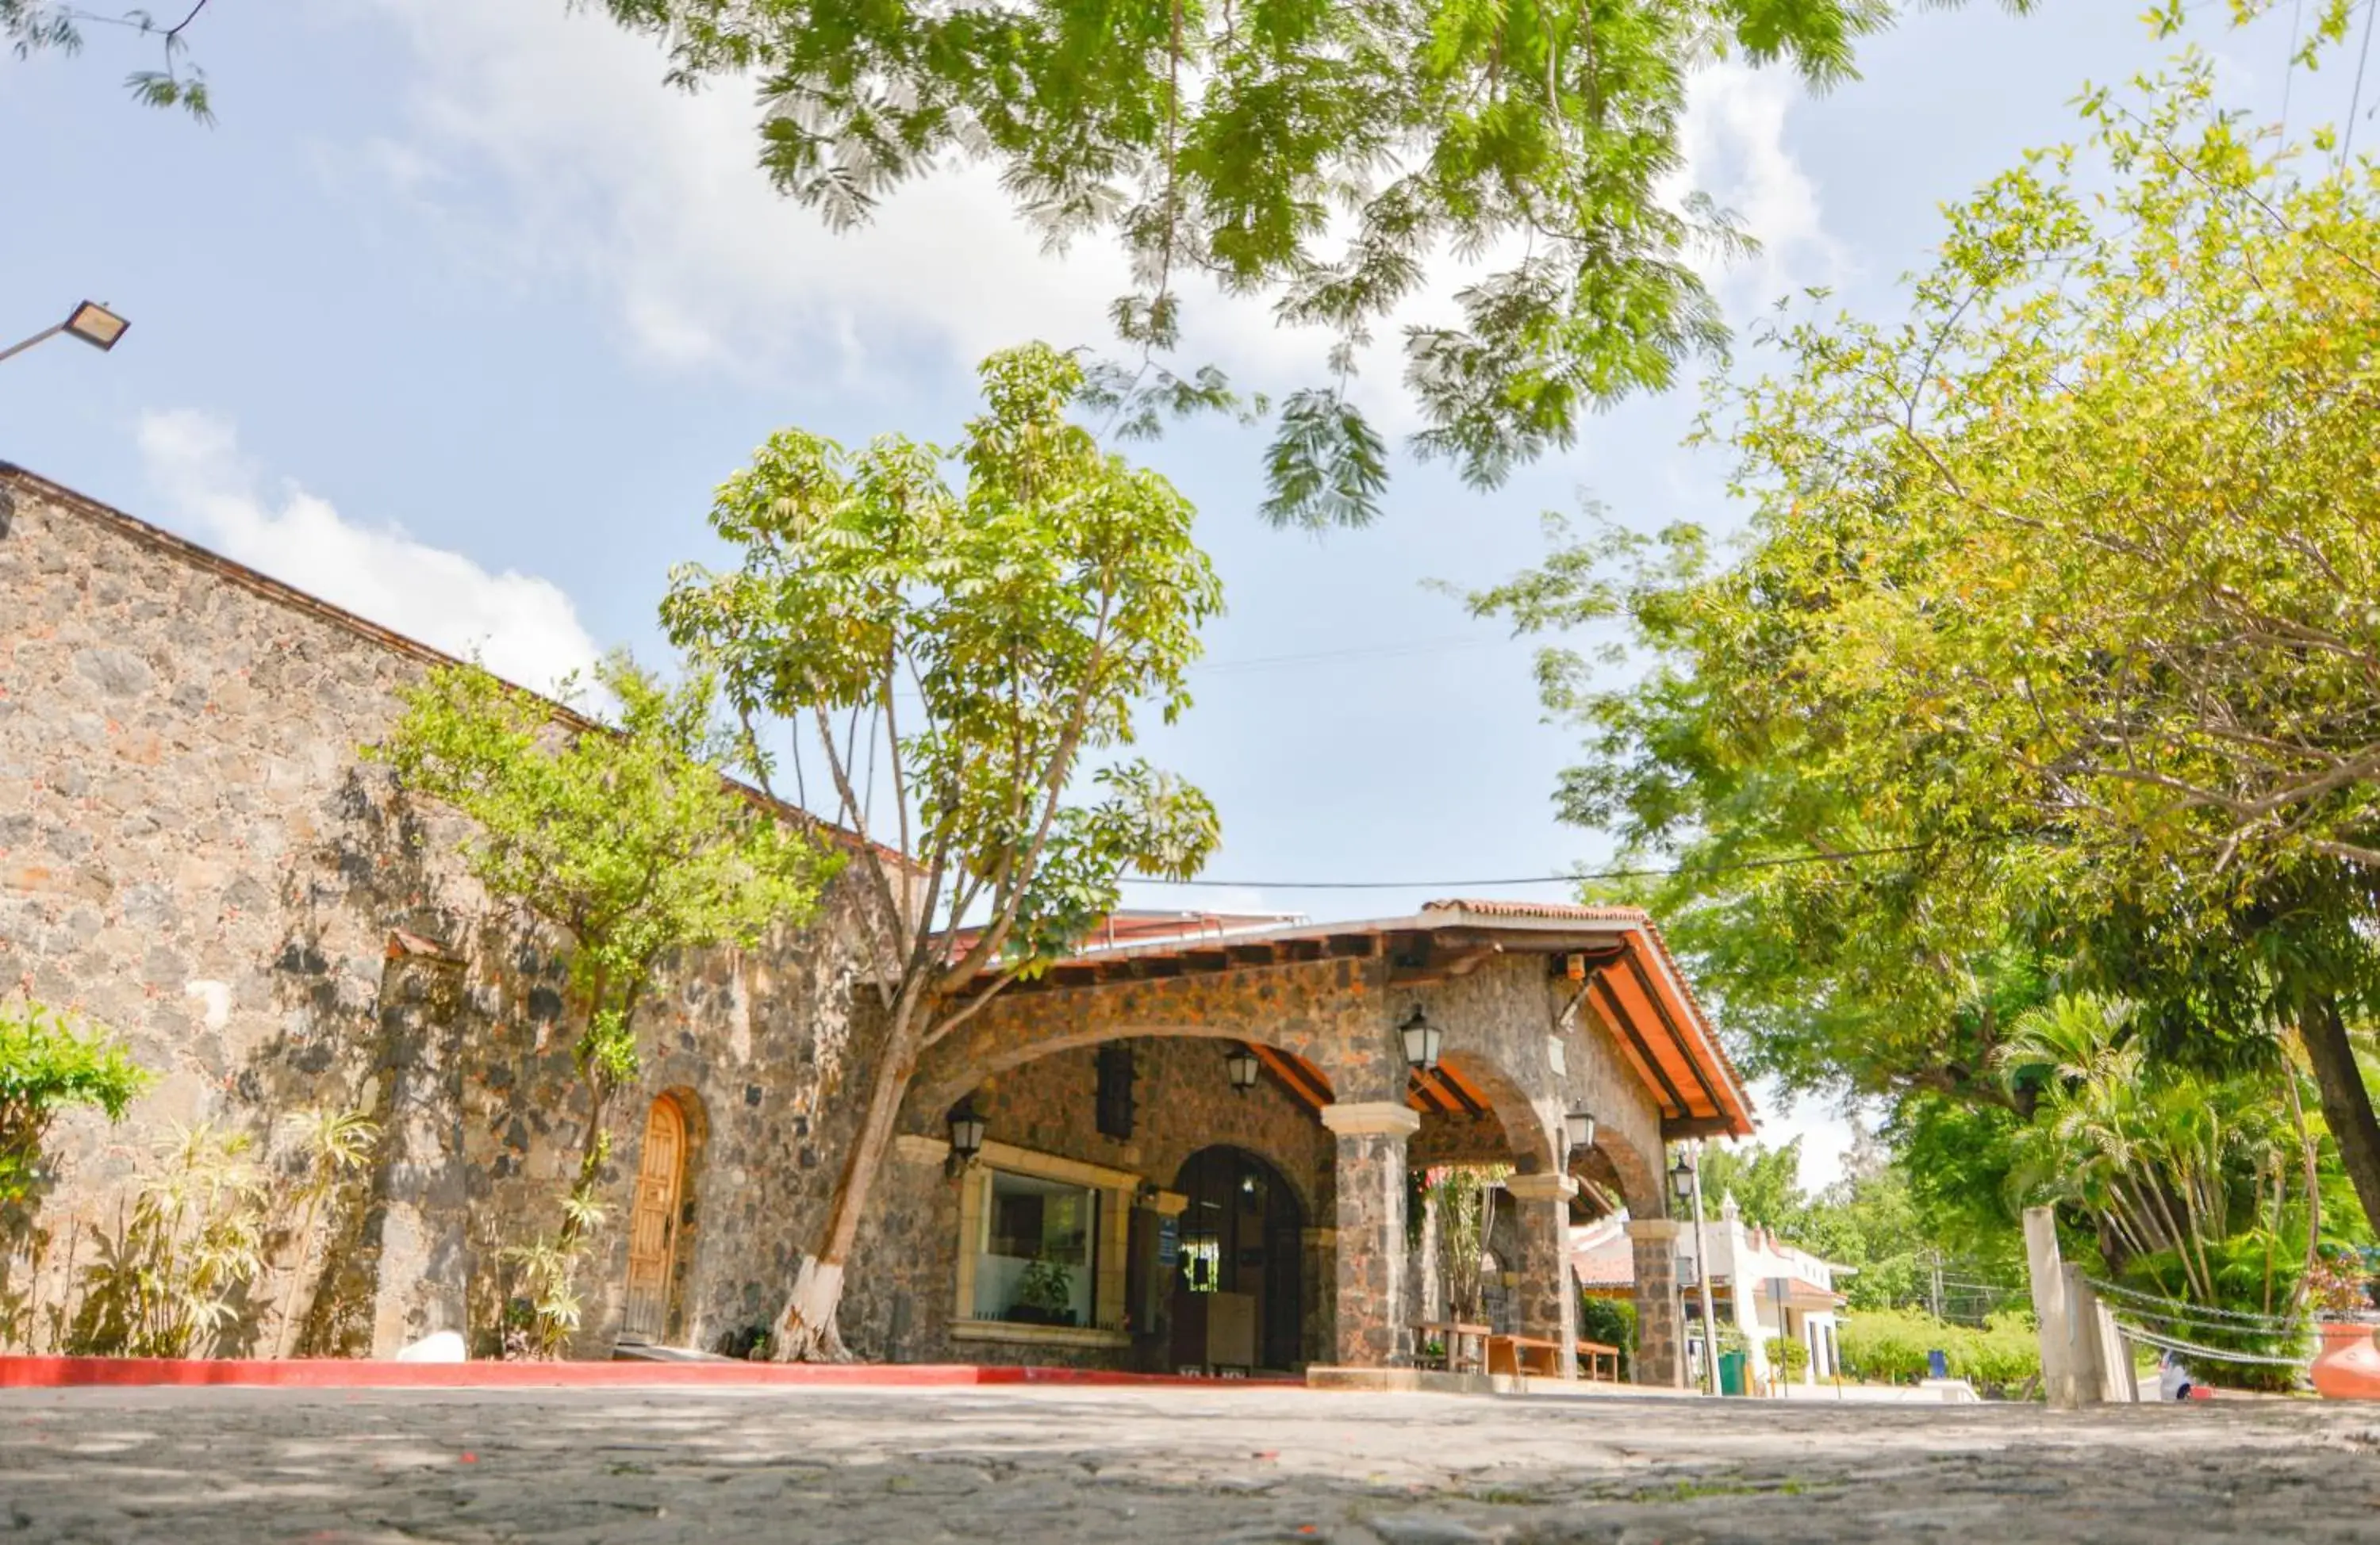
[1241, 1234]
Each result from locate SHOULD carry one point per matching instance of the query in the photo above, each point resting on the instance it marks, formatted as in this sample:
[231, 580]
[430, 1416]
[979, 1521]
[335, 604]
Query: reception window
[1037, 1259]
[1042, 1244]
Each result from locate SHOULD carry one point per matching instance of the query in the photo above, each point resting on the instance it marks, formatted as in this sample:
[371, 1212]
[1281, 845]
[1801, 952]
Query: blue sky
[457, 315]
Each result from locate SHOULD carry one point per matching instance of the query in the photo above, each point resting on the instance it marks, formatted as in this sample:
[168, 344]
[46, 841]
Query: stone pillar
[1546, 1305]
[1373, 1323]
[1661, 1320]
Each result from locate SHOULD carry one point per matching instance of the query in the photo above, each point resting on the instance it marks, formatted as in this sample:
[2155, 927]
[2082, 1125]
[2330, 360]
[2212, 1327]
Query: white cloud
[542, 140]
[1733, 138]
[523, 628]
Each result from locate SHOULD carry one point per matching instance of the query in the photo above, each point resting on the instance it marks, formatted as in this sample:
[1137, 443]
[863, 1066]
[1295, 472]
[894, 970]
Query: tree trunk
[805, 1331]
[2345, 1103]
[2312, 1156]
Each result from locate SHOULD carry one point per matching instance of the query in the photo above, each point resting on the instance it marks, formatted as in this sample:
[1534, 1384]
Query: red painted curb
[31, 1372]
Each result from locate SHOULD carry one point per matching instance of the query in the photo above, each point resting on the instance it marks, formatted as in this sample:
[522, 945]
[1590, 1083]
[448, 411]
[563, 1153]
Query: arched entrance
[1240, 1262]
[652, 1220]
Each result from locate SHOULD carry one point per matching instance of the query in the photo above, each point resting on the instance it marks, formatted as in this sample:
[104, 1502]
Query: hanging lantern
[1681, 1178]
[1421, 1039]
[1579, 1124]
[1241, 1067]
[967, 1132]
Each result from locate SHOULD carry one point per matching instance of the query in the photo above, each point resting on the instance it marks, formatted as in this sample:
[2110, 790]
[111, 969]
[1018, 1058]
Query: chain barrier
[2213, 1354]
[2157, 1309]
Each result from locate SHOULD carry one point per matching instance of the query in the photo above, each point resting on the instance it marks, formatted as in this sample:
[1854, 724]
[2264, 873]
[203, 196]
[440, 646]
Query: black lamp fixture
[1681, 1178]
[1421, 1039]
[1241, 1067]
[1580, 1126]
[967, 1133]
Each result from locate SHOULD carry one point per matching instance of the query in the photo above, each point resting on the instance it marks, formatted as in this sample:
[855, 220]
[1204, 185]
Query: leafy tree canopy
[2050, 640]
[954, 665]
[1327, 157]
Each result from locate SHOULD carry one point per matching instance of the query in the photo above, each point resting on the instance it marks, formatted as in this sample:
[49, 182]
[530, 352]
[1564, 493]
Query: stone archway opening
[1241, 1284]
[659, 1208]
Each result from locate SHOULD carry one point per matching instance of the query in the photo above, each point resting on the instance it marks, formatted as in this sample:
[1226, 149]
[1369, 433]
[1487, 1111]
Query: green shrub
[1889, 1347]
[1790, 1353]
[47, 1064]
[1613, 1323]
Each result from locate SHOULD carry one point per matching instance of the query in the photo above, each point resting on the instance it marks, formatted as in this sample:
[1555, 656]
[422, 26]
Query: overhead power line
[1670, 872]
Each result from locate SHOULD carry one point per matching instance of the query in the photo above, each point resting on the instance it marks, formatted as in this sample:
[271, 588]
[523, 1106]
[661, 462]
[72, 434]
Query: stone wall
[191, 853]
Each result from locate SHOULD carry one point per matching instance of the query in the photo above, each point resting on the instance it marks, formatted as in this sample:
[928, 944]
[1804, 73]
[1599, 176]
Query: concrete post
[2063, 1373]
[1660, 1318]
[1373, 1326]
[1548, 1298]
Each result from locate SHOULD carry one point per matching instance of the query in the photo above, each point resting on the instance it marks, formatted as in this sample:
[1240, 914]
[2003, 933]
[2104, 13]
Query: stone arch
[1639, 1177]
[1526, 1129]
[1272, 1227]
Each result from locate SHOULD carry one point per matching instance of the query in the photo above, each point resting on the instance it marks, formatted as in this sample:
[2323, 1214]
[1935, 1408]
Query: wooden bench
[1541, 1358]
[1462, 1348]
[1531, 1355]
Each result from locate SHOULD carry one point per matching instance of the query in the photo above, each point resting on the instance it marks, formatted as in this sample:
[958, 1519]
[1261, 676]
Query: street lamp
[1580, 1126]
[1421, 1039]
[1241, 1067]
[89, 321]
[1686, 1179]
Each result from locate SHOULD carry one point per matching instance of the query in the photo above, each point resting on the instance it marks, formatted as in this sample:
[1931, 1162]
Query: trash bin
[1730, 1373]
[1937, 1365]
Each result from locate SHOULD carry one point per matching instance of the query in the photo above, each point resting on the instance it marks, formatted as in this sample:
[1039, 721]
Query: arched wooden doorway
[652, 1221]
[1241, 1235]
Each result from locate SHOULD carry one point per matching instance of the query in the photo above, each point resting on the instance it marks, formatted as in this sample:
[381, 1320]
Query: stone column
[1547, 1299]
[1372, 1326]
[1660, 1321]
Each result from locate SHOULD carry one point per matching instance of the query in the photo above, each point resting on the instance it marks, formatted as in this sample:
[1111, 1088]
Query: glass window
[1037, 1260]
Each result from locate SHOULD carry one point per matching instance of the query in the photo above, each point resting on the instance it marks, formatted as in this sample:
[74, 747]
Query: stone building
[1198, 1147]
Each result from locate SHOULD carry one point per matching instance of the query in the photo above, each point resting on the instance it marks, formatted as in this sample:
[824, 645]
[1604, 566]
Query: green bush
[1613, 1323]
[47, 1064]
[1789, 1352]
[1889, 1347]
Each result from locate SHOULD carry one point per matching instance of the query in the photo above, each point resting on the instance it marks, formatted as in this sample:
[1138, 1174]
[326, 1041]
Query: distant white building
[1760, 1283]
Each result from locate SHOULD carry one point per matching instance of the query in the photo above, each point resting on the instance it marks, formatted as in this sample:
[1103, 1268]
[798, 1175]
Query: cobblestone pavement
[1013, 1466]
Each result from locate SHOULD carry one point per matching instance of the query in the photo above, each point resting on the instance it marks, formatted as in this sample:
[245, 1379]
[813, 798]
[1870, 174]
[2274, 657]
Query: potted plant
[1046, 1296]
[2348, 1368]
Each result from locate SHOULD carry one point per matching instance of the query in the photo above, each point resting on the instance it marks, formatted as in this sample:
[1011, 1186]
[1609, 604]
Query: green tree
[985, 642]
[2051, 638]
[627, 836]
[1328, 158]
[1766, 1183]
[47, 1064]
[31, 27]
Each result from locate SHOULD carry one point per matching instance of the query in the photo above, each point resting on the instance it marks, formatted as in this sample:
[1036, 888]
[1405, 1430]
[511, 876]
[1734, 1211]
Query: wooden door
[653, 1222]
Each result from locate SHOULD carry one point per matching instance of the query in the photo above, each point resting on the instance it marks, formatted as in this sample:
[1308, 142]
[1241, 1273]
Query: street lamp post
[1687, 1180]
[90, 321]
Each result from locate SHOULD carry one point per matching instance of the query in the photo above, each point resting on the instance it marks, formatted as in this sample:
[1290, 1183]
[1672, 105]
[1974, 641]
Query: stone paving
[1010, 1467]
